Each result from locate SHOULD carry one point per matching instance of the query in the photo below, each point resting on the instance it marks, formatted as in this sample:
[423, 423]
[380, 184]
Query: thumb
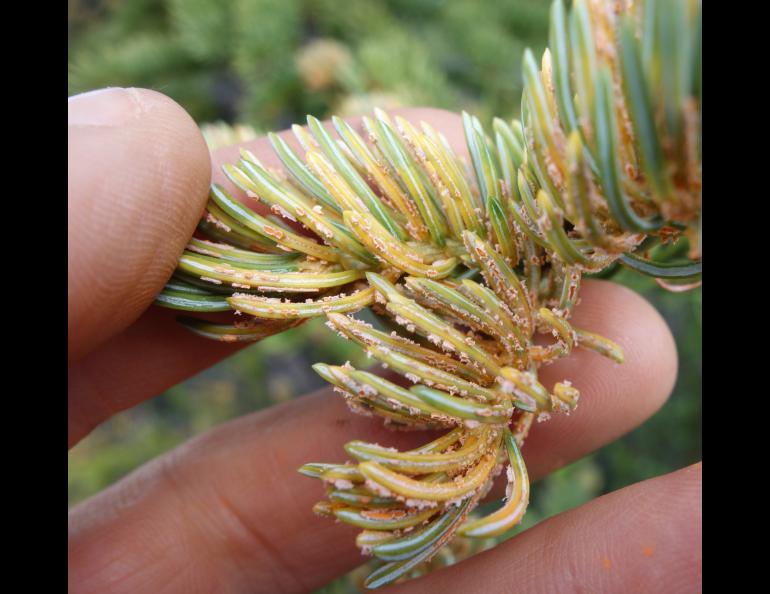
[139, 172]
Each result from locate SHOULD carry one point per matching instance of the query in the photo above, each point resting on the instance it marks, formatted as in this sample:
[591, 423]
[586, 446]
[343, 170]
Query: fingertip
[434, 116]
[615, 398]
[446, 122]
[646, 537]
[139, 171]
[630, 320]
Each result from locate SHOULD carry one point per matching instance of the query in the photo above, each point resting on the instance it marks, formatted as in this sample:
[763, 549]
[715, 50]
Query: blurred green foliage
[240, 60]
[269, 62]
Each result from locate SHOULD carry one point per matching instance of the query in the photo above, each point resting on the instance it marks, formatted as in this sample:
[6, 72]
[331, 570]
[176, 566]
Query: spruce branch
[465, 263]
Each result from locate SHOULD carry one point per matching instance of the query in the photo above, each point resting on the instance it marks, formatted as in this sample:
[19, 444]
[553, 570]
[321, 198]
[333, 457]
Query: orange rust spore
[385, 514]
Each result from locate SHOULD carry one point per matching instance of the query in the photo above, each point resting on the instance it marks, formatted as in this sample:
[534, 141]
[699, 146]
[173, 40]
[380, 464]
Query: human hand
[227, 511]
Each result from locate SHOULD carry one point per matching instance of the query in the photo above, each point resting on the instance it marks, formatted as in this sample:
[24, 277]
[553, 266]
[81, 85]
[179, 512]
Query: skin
[227, 511]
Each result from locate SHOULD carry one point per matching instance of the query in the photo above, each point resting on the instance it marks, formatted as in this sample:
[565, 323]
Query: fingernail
[113, 106]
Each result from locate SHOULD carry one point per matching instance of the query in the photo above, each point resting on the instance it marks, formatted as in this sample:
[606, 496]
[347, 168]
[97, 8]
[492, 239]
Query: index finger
[234, 498]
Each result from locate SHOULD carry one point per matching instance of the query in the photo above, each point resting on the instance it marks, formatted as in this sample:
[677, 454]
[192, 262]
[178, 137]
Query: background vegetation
[267, 63]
